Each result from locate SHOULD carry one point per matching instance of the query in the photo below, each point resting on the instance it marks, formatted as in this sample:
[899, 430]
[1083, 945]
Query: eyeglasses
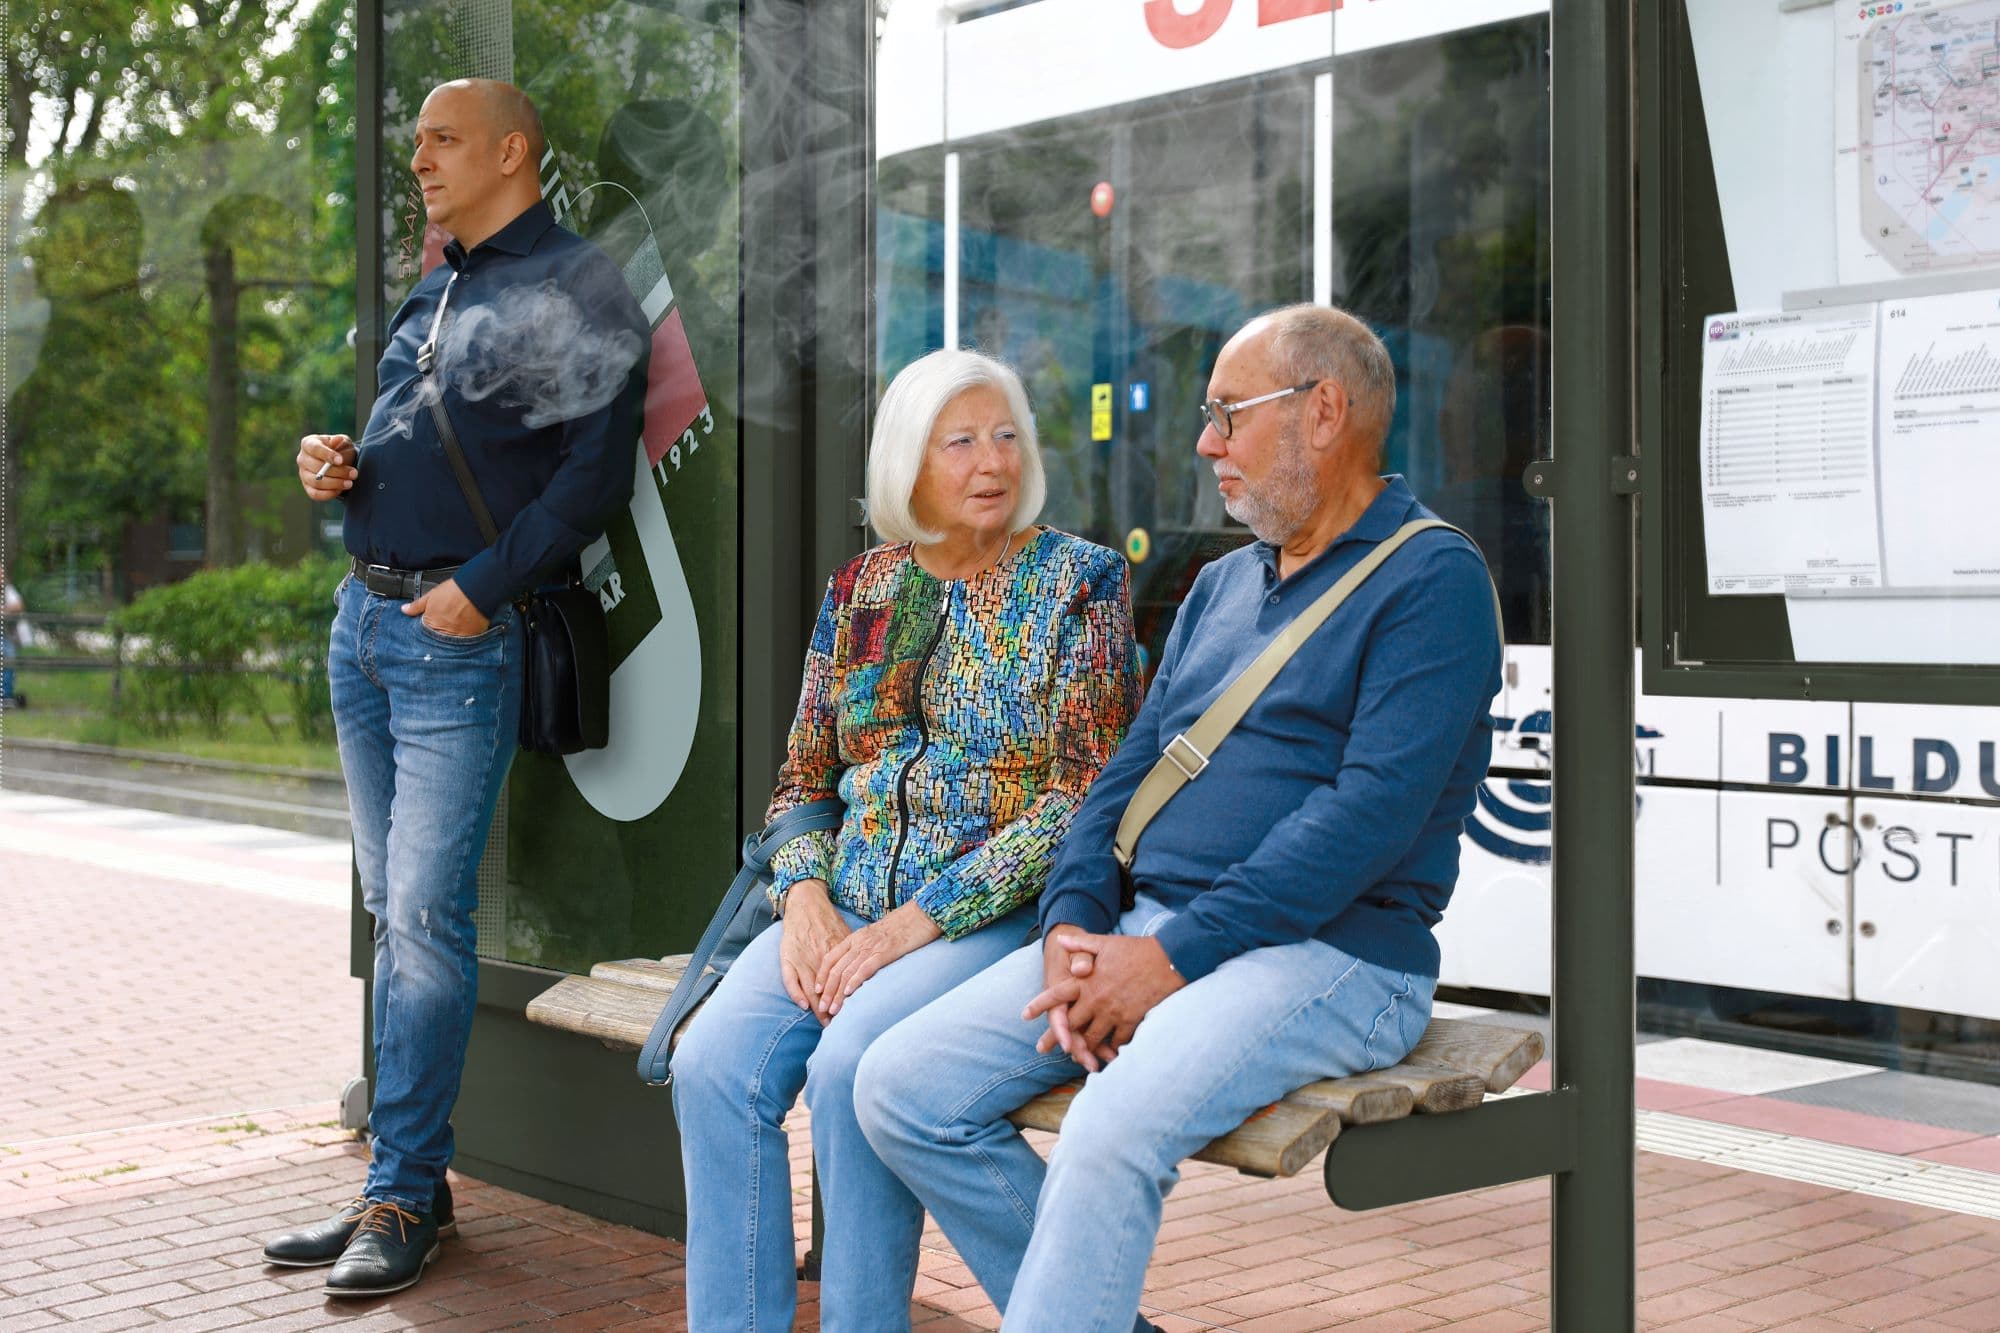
[1221, 415]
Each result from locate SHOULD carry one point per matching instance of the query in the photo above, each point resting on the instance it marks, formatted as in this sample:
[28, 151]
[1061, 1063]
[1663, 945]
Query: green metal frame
[1422, 1157]
[1581, 1132]
[1693, 644]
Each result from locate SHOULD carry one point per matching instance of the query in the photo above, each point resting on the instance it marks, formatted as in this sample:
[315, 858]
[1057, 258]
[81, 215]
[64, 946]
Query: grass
[76, 706]
[121, 1169]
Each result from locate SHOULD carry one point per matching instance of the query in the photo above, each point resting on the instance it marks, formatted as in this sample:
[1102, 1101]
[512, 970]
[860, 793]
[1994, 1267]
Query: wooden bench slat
[660, 974]
[1499, 1055]
[1356, 1100]
[616, 1014]
[1432, 1091]
[1453, 1068]
[1280, 1140]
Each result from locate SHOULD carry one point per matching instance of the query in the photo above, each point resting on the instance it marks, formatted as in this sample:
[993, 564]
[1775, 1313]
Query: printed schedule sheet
[1939, 442]
[1788, 479]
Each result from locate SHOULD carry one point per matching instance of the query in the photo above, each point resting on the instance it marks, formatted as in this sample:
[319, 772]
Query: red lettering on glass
[1172, 28]
[1277, 11]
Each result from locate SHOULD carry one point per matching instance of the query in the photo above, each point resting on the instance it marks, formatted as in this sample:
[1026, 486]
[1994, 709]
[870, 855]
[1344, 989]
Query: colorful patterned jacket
[960, 721]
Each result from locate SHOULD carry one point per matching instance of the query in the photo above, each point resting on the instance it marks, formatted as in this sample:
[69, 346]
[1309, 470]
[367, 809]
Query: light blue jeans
[1064, 1248]
[736, 1073]
[427, 725]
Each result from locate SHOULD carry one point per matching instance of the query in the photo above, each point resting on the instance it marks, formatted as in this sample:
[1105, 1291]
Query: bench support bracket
[1424, 1156]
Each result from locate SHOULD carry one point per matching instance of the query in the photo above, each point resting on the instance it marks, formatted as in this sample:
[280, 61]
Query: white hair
[903, 427]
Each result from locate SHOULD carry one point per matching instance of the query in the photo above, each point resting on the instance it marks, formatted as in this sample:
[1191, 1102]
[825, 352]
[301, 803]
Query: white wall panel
[1927, 906]
[1733, 890]
[1495, 934]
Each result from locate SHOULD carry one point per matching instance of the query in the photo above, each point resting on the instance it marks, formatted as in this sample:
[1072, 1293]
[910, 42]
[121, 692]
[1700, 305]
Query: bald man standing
[530, 340]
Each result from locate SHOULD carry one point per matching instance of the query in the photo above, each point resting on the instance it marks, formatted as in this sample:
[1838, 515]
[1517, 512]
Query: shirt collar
[1379, 521]
[516, 238]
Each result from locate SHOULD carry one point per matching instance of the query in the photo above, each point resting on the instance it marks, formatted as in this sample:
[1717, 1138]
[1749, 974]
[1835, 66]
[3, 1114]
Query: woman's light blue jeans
[736, 1073]
[1064, 1248]
[427, 725]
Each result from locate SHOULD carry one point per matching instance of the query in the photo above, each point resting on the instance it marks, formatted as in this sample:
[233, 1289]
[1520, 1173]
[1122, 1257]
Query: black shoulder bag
[566, 698]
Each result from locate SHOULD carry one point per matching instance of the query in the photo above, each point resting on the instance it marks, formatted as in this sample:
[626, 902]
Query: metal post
[1594, 1246]
[809, 1266]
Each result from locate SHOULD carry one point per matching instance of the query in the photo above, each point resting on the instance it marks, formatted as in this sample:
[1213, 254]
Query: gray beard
[1277, 507]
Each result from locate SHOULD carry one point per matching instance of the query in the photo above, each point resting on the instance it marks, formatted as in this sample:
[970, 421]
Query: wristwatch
[777, 893]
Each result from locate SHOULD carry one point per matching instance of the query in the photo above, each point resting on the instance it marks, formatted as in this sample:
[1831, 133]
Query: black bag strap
[758, 849]
[453, 452]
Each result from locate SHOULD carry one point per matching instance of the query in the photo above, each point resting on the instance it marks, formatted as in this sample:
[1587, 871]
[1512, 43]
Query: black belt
[388, 581]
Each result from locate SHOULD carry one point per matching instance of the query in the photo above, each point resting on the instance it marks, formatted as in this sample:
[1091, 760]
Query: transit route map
[1928, 85]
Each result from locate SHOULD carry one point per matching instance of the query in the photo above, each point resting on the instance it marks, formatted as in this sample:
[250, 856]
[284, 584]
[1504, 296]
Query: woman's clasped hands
[823, 961]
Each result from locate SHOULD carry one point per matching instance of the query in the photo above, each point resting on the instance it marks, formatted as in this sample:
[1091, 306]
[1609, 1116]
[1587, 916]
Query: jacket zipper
[923, 744]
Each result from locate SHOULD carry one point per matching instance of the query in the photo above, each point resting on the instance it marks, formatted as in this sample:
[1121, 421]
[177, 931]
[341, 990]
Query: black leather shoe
[390, 1250]
[320, 1244]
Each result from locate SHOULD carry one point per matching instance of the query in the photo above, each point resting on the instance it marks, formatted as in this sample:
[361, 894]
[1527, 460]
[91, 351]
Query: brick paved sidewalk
[106, 1024]
[86, 1243]
[161, 1120]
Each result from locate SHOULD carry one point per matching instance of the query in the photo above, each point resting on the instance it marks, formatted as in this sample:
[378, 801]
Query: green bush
[192, 646]
[188, 644]
[296, 609]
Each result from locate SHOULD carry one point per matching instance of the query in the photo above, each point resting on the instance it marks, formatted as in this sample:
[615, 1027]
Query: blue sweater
[1333, 810]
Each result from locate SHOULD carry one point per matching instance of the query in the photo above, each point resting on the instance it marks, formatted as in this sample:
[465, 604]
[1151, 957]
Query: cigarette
[322, 469]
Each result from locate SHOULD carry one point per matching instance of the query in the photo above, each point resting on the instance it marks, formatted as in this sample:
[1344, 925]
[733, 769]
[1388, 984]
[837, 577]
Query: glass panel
[1828, 405]
[1441, 237]
[1104, 237]
[180, 288]
[1832, 364]
[640, 104]
[1109, 237]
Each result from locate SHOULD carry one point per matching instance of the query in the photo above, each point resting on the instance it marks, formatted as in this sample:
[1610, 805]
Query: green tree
[95, 436]
[227, 125]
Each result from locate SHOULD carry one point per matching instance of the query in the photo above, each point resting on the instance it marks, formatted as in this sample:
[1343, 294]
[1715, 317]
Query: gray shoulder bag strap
[1186, 755]
[698, 978]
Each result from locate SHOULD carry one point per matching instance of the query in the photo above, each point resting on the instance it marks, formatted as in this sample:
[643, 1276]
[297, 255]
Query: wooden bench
[1453, 1068]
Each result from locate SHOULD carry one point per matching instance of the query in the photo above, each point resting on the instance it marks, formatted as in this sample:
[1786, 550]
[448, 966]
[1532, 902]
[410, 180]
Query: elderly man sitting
[1275, 923]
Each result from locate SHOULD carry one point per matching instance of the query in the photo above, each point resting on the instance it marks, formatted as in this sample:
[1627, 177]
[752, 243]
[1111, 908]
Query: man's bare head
[508, 110]
[1307, 393]
[478, 156]
[1323, 342]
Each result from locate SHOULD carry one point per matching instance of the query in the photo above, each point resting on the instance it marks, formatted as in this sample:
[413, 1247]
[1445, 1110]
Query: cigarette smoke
[532, 347]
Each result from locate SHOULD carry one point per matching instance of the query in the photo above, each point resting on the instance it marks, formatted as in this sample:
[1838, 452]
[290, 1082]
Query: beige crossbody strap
[1186, 755]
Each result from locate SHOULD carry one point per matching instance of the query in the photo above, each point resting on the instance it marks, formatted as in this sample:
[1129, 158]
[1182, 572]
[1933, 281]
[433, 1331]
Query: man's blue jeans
[735, 1074]
[427, 725]
[1064, 1248]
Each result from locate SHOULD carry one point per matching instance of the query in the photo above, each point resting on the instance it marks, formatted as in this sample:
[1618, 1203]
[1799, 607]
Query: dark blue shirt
[1334, 808]
[553, 447]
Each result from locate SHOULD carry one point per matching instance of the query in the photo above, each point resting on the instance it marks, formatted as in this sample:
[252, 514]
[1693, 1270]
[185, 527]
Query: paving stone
[177, 1240]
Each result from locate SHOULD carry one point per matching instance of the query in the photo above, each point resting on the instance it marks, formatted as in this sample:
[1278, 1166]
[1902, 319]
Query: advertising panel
[622, 851]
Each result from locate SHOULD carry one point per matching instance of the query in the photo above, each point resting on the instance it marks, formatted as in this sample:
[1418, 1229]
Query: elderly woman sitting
[965, 683]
